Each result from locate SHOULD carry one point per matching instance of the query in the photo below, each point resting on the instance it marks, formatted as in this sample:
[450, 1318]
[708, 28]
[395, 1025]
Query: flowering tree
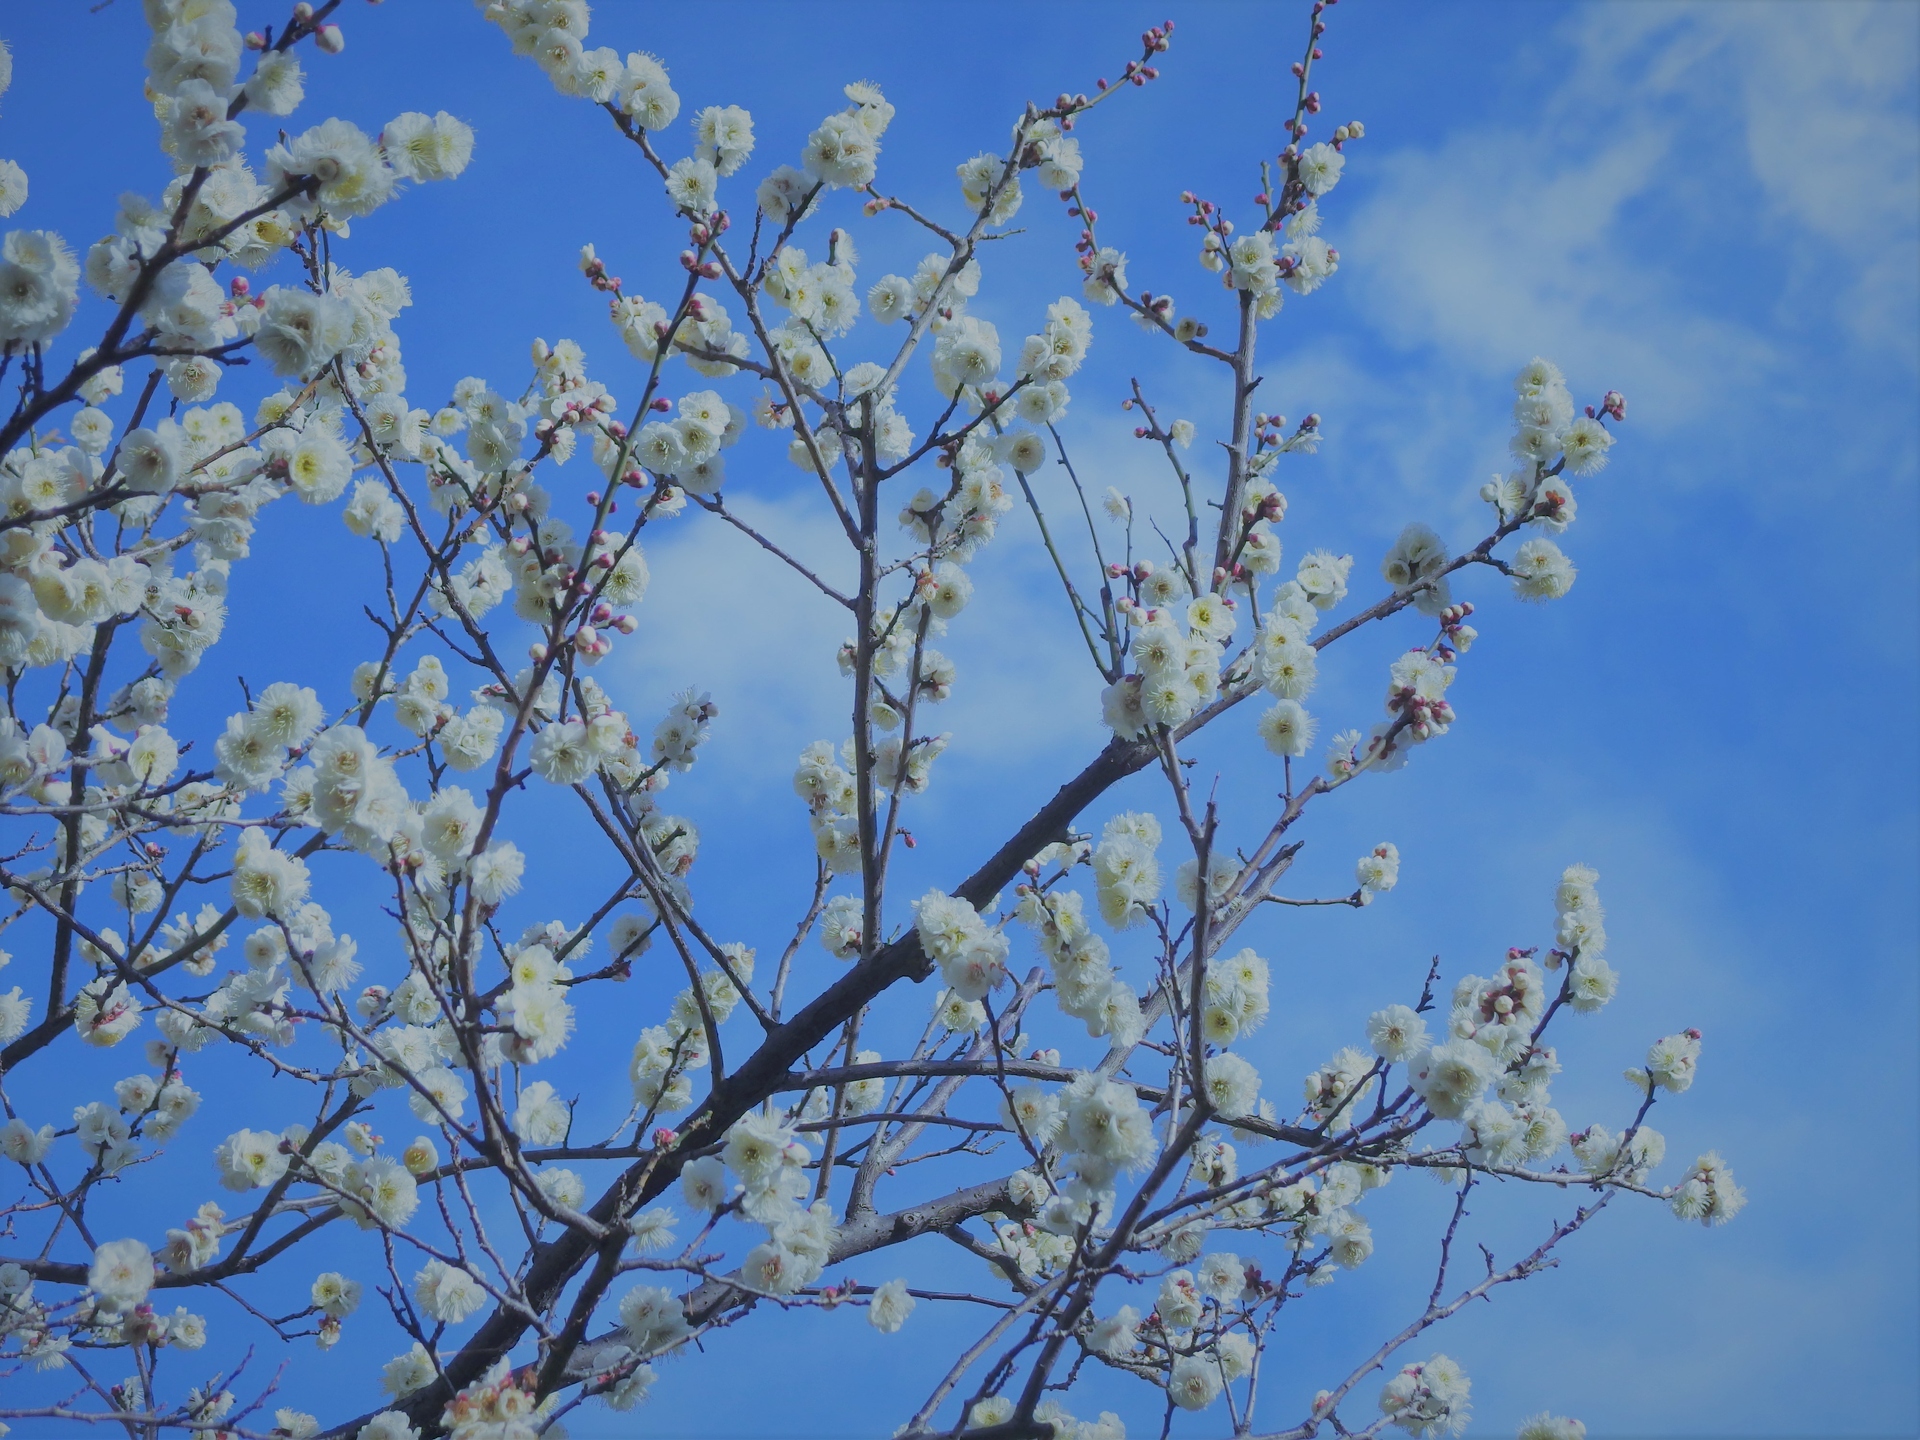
[1079, 1120]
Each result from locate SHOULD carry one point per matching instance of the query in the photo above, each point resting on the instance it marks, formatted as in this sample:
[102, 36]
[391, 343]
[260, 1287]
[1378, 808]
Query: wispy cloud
[1711, 208]
[1504, 241]
[1824, 96]
[725, 617]
[1679, 146]
[762, 640]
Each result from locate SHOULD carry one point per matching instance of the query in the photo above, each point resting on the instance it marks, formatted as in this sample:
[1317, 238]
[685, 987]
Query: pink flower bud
[330, 39]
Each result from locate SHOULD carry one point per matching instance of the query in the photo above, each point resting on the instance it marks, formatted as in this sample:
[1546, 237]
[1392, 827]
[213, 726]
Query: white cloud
[1026, 685]
[763, 641]
[1507, 239]
[725, 617]
[1505, 242]
[1825, 96]
[1698, 194]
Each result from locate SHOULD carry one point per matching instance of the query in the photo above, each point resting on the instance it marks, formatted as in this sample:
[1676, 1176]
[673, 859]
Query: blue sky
[1711, 209]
